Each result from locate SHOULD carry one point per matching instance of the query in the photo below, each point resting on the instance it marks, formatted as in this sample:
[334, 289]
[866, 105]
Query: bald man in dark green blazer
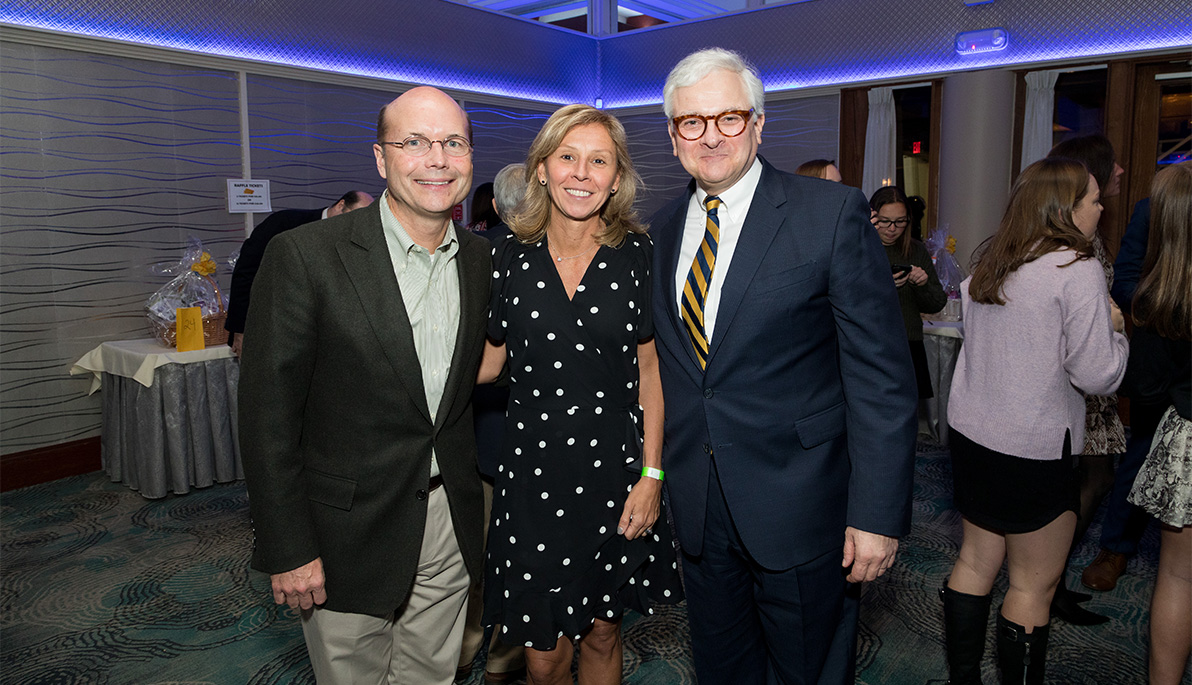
[363, 341]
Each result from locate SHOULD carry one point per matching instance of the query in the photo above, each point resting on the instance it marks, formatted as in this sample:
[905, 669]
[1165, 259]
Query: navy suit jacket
[809, 400]
[1127, 268]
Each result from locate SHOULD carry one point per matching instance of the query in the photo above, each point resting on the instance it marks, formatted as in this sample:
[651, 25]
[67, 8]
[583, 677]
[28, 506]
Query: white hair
[697, 65]
[508, 188]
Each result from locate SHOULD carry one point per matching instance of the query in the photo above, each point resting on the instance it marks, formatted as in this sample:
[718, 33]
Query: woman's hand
[641, 509]
[917, 276]
[1119, 321]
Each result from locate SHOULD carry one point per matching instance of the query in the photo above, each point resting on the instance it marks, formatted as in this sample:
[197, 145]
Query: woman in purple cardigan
[1039, 330]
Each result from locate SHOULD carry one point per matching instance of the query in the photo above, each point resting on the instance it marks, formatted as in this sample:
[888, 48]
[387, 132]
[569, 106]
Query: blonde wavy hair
[533, 213]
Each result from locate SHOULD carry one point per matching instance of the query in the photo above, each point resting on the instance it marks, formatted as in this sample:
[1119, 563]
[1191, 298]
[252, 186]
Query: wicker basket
[213, 325]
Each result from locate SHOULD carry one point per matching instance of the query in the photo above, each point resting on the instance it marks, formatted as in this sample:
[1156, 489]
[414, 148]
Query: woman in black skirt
[919, 289]
[1039, 330]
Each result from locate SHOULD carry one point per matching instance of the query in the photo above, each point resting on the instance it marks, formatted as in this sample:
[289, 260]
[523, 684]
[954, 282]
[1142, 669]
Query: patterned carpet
[102, 586]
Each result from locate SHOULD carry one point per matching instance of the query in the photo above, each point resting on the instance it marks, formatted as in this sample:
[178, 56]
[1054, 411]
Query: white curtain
[880, 138]
[1040, 112]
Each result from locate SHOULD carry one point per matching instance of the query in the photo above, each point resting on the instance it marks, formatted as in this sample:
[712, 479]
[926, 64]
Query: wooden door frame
[854, 122]
[1144, 112]
[1124, 108]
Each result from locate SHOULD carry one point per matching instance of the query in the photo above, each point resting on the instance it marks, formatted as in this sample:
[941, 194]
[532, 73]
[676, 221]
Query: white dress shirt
[734, 206]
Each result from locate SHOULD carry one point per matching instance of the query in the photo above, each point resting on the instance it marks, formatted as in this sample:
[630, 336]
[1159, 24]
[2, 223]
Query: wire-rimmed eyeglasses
[730, 123]
[417, 146]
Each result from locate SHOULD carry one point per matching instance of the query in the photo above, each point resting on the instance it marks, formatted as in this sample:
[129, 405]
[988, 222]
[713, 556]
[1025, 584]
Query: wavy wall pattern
[313, 141]
[106, 166]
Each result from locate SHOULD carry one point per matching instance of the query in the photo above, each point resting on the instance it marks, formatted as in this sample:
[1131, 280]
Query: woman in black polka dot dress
[576, 536]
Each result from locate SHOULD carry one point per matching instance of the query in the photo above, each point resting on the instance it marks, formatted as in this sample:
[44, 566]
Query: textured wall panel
[502, 136]
[795, 131]
[106, 166]
[436, 43]
[313, 141]
[838, 41]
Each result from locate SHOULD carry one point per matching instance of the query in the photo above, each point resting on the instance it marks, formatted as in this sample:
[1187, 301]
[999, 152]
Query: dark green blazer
[335, 432]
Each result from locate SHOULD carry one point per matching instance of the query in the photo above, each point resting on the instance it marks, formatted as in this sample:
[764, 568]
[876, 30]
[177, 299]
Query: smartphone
[900, 269]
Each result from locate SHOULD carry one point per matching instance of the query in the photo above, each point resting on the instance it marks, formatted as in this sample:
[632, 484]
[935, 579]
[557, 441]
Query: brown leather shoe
[1104, 572]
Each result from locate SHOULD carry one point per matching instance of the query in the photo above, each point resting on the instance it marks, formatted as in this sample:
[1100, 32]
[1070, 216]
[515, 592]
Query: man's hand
[237, 343]
[869, 554]
[300, 588]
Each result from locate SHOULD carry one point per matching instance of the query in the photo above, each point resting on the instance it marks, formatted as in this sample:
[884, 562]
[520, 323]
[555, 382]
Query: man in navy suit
[790, 396]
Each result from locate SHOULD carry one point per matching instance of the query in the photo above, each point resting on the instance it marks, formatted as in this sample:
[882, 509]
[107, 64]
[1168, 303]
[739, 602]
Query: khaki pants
[420, 643]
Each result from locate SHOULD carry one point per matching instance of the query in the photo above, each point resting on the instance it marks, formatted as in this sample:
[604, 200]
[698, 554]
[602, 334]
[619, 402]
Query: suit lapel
[757, 233]
[365, 257]
[672, 232]
[473, 276]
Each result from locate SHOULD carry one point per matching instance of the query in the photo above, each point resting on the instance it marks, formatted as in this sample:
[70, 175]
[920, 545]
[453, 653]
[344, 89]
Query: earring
[542, 181]
[613, 191]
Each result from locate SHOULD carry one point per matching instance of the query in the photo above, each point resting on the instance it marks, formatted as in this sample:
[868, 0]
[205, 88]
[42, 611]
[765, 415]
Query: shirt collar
[394, 229]
[740, 192]
[324, 214]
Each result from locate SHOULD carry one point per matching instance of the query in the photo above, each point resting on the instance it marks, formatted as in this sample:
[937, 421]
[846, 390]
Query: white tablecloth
[138, 359]
[169, 418]
[942, 341]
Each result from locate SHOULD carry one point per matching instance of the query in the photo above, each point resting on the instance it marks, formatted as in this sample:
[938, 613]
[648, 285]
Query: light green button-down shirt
[429, 283]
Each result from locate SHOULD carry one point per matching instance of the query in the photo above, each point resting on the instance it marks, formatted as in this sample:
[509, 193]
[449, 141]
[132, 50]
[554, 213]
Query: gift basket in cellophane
[942, 248]
[193, 285]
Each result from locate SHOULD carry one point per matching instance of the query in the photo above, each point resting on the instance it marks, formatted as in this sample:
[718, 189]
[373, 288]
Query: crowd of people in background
[552, 415]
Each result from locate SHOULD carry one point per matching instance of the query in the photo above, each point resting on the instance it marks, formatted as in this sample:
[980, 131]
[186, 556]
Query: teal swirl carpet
[102, 586]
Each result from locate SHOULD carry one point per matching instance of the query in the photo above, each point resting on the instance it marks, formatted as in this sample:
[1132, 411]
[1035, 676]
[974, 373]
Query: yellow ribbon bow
[205, 266]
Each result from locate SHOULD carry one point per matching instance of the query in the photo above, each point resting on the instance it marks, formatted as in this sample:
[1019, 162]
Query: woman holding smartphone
[919, 289]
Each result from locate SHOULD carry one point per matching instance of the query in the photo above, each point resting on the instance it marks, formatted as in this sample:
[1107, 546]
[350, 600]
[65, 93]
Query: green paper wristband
[650, 472]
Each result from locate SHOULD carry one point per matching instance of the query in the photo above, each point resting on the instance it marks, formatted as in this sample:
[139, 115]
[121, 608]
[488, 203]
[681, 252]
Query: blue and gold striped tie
[695, 290]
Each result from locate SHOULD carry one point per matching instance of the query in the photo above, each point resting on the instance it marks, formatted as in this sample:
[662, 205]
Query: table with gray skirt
[177, 432]
[942, 341]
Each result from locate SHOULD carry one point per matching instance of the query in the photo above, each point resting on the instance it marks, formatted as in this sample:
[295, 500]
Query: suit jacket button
[421, 494]
[708, 393]
[707, 448]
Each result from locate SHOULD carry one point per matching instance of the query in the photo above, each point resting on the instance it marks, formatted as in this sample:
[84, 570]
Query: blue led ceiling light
[626, 70]
[985, 40]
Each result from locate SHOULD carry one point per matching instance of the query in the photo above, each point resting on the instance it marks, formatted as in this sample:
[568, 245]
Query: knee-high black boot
[965, 618]
[1022, 657]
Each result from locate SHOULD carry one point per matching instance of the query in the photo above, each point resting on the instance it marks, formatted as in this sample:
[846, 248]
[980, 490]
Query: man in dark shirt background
[254, 249]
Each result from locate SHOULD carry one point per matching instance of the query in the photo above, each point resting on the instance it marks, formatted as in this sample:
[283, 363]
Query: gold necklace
[563, 259]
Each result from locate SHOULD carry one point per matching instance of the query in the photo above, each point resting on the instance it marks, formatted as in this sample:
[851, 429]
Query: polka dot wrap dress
[555, 561]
